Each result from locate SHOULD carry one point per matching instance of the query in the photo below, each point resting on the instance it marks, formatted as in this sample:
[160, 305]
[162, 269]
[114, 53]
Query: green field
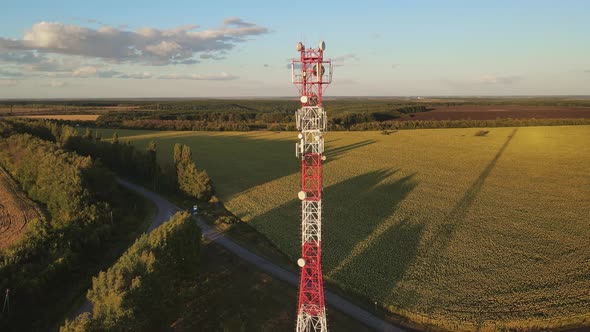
[442, 226]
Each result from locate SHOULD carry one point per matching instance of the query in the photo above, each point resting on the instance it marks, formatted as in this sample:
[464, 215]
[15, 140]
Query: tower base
[312, 323]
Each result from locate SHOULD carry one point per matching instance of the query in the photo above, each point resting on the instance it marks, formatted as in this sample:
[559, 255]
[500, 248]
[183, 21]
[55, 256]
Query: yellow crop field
[442, 226]
[16, 210]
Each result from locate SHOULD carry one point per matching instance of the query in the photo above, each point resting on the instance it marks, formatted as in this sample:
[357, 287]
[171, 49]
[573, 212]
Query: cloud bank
[341, 60]
[61, 51]
[8, 82]
[499, 79]
[221, 77]
[147, 46]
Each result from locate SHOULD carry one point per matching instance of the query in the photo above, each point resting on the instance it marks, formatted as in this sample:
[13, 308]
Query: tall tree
[190, 180]
[88, 133]
[153, 168]
[177, 153]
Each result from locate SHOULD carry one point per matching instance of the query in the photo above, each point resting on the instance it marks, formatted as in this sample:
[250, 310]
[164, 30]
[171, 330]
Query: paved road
[167, 209]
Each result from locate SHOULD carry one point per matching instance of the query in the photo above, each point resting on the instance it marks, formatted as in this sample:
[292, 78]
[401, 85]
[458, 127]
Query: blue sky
[81, 49]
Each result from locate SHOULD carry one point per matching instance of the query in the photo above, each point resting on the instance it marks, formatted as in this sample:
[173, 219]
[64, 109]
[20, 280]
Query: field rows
[16, 210]
[441, 224]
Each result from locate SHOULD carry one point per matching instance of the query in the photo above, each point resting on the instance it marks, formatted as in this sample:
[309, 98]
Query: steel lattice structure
[309, 74]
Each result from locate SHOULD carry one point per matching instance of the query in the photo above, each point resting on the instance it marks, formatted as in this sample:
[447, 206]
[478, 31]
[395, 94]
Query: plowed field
[16, 210]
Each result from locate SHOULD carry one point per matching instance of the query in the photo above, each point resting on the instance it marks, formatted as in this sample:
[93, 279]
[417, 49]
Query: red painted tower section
[310, 75]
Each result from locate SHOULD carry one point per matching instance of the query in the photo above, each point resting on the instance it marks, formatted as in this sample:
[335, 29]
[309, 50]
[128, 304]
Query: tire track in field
[16, 210]
[5, 220]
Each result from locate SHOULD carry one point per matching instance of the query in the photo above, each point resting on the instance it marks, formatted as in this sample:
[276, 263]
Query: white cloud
[31, 61]
[218, 56]
[4, 82]
[147, 45]
[139, 76]
[164, 48]
[56, 84]
[86, 71]
[237, 22]
[109, 73]
[341, 60]
[499, 79]
[10, 73]
[44, 64]
[20, 57]
[220, 77]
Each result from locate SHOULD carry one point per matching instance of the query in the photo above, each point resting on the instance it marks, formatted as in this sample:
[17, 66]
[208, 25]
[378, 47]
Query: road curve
[167, 209]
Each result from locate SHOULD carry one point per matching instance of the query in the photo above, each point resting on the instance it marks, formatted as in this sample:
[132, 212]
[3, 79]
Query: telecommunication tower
[309, 74]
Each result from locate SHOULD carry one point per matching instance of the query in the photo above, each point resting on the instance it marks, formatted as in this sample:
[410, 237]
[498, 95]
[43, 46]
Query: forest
[88, 217]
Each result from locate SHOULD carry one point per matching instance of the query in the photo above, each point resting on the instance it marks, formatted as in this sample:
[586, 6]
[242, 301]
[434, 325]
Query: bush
[227, 220]
[482, 133]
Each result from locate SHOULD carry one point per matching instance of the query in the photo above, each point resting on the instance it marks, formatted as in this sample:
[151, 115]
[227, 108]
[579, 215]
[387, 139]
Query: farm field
[16, 210]
[441, 226]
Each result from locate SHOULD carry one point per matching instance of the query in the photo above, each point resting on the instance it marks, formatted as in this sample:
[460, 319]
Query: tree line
[122, 158]
[137, 292]
[243, 120]
[348, 121]
[434, 124]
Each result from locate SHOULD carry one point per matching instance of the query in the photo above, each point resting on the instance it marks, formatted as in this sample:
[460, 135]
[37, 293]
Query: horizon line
[587, 96]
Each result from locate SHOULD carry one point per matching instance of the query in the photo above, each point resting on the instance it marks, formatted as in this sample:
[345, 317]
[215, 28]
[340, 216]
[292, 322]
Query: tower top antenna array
[310, 73]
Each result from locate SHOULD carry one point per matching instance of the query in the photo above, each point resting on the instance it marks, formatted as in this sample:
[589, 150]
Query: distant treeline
[378, 120]
[270, 114]
[433, 124]
[241, 119]
[336, 104]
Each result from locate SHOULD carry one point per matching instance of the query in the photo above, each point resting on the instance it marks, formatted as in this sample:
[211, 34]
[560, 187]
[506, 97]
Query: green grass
[228, 294]
[441, 226]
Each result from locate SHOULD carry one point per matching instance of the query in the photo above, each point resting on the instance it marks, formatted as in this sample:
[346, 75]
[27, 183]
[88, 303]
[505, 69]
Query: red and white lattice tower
[310, 75]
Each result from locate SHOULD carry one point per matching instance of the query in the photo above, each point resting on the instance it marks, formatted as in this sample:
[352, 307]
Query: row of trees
[44, 129]
[286, 105]
[241, 120]
[348, 121]
[433, 124]
[124, 158]
[190, 125]
[143, 166]
[135, 294]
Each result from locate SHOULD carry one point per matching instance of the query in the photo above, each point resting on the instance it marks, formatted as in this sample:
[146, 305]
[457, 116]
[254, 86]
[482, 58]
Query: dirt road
[166, 209]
